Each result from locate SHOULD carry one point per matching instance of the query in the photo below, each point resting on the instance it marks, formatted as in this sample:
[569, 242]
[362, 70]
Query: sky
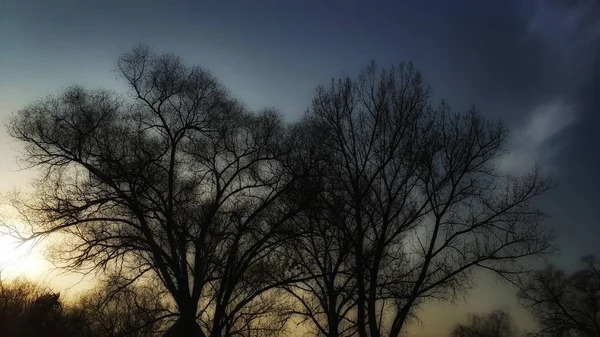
[533, 64]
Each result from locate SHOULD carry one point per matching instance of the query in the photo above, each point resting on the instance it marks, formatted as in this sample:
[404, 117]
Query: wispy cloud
[536, 140]
[571, 32]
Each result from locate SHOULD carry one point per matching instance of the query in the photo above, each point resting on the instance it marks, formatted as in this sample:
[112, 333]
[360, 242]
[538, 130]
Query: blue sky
[534, 64]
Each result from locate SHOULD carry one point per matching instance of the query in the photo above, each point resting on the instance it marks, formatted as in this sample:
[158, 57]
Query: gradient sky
[533, 64]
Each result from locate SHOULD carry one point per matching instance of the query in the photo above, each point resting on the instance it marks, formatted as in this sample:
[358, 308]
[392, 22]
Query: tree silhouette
[175, 180]
[565, 304]
[372, 204]
[494, 324]
[410, 203]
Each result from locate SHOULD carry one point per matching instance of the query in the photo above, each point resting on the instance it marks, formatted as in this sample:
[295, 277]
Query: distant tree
[175, 180]
[494, 324]
[115, 308]
[565, 304]
[29, 310]
[266, 316]
[409, 202]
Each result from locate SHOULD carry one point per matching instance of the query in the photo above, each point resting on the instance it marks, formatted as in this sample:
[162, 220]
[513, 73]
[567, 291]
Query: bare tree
[412, 203]
[175, 180]
[494, 324]
[565, 305]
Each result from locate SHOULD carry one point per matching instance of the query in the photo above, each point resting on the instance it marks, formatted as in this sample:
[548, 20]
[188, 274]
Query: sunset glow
[21, 259]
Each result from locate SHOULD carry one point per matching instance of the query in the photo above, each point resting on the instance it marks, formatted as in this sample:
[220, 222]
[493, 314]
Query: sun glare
[20, 259]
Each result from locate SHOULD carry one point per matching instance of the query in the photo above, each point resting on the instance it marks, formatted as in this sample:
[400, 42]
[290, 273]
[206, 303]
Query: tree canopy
[376, 201]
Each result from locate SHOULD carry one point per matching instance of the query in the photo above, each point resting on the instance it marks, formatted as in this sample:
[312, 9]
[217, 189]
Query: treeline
[374, 202]
[28, 309]
[563, 304]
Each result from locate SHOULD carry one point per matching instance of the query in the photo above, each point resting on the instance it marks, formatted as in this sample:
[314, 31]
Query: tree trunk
[184, 328]
[362, 298]
[332, 317]
[186, 325]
